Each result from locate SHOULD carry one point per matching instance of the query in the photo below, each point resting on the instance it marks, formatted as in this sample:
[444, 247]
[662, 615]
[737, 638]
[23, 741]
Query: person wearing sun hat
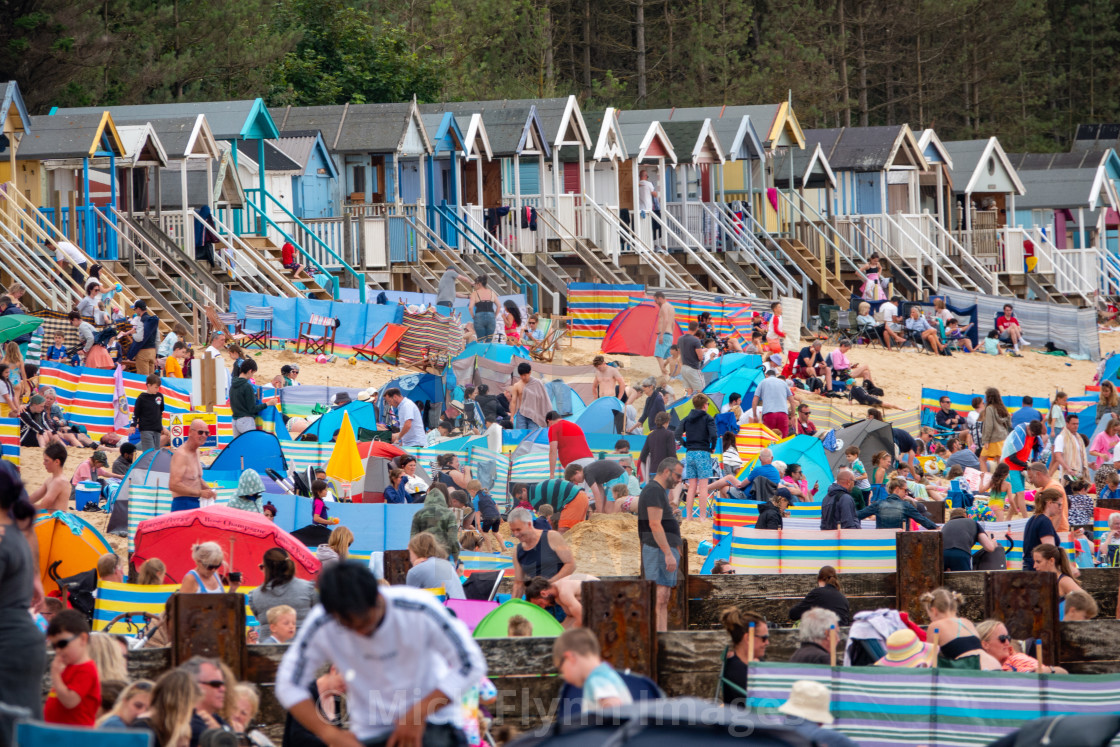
[250, 488]
[807, 713]
[904, 650]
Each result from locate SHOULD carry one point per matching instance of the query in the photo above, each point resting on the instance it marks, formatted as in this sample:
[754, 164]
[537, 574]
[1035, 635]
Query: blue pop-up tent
[362, 415]
[599, 416]
[806, 451]
[742, 381]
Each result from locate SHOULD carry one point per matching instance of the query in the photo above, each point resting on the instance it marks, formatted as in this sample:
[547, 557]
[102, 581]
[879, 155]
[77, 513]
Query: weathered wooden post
[1027, 603]
[936, 511]
[920, 569]
[396, 565]
[678, 597]
[211, 625]
[623, 615]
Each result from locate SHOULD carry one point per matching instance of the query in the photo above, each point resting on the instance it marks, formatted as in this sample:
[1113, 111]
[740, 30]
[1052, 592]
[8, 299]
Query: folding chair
[222, 321]
[544, 350]
[376, 351]
[263, 337]
[317, 343]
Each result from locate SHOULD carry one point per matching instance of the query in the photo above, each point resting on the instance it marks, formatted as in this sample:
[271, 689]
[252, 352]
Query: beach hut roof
[300, 146]
[933, 149]
[361, 128]
[865, 149]
[275, 159]
[444, 131]
[696, 140]
[70, 136]
[810, 168]
[775, 125]
[142, 146]
[228, 120]
[610, 144]
[476, 141]
[977, 161]
[13, 112]
[227, 185]
[181, 137]
[512, 127]
[1095, 137]
[1054, 189]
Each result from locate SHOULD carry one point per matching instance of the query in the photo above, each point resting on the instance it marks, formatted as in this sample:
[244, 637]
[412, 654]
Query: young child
[954, 333]
[1081, 504]
[1113, 489]
[575, 654]
[991, 343]
[147, 414]
[282, 623]
[75, 692]
[173, 364]
[544, 517]
[711, 351]
[519, 627]
[489, 518]
[57, 351]
[1057, 418]
[623, 499]
[856, 466]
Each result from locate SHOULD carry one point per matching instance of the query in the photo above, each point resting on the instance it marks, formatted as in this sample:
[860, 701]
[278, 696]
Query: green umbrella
[17, 325]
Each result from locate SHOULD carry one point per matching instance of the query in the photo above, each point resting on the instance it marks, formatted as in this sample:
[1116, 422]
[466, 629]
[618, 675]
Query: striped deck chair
[259, 315]
[314, 341]
[544, 349]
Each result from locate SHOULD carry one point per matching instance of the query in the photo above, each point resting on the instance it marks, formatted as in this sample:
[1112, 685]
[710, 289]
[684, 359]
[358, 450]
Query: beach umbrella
[345, 463]
[871, 436]
[243, 536]
[70, 539]
[17, 325]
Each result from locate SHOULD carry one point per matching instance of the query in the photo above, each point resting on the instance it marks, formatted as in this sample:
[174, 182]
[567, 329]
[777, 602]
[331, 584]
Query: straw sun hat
[905, 650]
[808, 700]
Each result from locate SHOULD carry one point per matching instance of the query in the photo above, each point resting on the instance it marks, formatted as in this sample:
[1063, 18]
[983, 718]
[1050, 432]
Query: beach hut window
[991, 165]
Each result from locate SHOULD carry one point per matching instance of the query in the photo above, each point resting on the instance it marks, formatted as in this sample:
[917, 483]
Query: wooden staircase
[748, 273]
[829, 283]
[273, 255]
[682, 272]
[1044, 288]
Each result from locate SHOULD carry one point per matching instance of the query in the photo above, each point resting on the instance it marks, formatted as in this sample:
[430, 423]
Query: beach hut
[314, 188]
[14, 123]
[54, 164]
[443, 174]
[936, 185]
[279, 172]
[1073, 196]
[649, 149]
[985, 185]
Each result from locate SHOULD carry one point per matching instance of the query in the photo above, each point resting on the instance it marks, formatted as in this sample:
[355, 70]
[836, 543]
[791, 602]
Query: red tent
[632, 332]
[243, 536]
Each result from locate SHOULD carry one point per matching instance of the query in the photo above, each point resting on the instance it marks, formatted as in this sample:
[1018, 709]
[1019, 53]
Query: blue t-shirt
[1025, 415]
[56, 352]
[603, 682]
[769, 471]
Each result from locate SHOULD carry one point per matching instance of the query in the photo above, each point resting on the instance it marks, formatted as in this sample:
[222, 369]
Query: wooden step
[827, 280]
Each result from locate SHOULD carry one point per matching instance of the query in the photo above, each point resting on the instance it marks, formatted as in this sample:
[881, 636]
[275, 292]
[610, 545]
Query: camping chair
[870, 333]
[376, 351]
[545, 349]
[263, 337]
[317, 343]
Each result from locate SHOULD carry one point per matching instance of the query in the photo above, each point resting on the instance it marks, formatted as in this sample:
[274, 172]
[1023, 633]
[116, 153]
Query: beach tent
[601, 416]
[634, 331]
[150, 469]
[493, 351]
[362, 415]
[70, 539]
[256, 449]
[243, 536]
[418, 387]
[1111, 370]
[726, 364]
[742, 381]
[496, 623]
[470, 611]
[679, 410]
[806, 451]
[871, 436]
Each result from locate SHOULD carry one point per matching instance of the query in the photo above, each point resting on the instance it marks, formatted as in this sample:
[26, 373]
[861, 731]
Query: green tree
[345, 56]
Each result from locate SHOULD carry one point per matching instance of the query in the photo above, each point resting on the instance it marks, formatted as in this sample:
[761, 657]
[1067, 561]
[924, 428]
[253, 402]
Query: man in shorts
[689, 345]
[666, 321]
[185, 477]
[660, 535]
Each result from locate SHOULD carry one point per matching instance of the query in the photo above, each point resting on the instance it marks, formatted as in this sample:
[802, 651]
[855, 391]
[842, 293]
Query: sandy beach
[608, 545]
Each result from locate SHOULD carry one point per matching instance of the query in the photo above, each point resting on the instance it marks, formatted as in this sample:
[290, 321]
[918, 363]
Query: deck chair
[219, 321]
[483, 585]
[317, 342]
[263, 337]
[544, 350]
[377, 351]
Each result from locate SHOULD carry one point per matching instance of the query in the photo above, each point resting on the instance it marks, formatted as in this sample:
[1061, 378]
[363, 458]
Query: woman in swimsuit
[203, 578]
[1053, 559]
[483, 303]
[511, 321]
[957, 637]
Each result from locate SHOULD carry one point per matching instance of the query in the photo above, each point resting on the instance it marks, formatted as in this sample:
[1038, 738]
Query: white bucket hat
[809, 700]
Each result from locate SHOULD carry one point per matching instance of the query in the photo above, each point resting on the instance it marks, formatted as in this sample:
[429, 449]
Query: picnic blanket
[880, 707]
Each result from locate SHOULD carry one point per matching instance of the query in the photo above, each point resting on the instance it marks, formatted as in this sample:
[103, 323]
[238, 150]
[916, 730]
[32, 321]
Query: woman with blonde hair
[1108, 401]
[173, 700]
[106, 654]
[152, 572]
[203, 578]
[997, 643]
[246, 703]
[133, 700]
[956, 636]
[337, 548]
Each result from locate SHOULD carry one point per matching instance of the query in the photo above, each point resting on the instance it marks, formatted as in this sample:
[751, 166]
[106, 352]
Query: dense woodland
[1026, 70]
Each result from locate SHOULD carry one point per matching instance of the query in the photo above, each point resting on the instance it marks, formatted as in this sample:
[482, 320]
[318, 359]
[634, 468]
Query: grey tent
[871, 436]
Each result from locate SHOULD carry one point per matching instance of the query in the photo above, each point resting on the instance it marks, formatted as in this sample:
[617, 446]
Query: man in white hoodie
[406, 661]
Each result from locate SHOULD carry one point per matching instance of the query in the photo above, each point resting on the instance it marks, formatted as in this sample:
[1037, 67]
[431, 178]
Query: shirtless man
[185, 480]
[608, 380]
[666, 320]
[564, 593]
[54, 495]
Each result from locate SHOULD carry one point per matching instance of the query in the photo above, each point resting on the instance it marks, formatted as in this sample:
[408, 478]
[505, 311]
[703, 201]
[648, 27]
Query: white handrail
[812, 224]
[748, 243]
[1061, 265]
[990, 278]
[496, 245]
[930, 256]
[274, 279]
[720, 274]
[664, 271]
[38, 283]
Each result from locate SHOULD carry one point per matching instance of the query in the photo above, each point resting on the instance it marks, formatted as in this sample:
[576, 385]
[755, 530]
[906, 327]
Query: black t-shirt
[960, 534]
[735, 672]
[813, 356]
[1037, 527]
[655, 496]
[689, 345]
[660, 444]
[602, 471]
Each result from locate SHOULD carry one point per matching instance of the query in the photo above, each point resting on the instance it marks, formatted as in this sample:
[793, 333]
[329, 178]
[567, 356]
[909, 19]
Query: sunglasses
[216, 684]
[214, 567]
[763, 638]
[63, 643]
[1004, 638]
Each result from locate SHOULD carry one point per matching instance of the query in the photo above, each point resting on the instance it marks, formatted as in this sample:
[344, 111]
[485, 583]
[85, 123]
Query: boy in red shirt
[75, 684]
